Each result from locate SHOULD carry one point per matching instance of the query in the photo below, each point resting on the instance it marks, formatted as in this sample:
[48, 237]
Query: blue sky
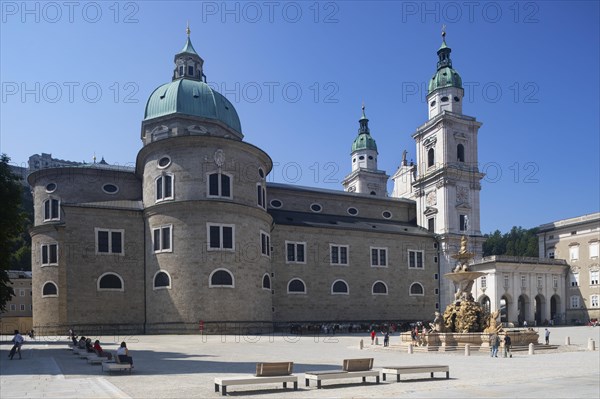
[75, 79]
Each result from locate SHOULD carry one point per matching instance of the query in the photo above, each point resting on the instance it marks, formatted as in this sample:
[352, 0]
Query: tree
[12, 225]
[517, 242]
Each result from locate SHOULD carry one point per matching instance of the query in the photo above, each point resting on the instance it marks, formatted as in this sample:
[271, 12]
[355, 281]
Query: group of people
[86, 343]
[495, 344]
[386, 337]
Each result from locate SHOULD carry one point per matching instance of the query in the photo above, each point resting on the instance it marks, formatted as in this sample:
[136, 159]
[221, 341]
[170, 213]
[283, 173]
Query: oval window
[261, 173]
[353, 211]
[456, 99]
[110, 188]
[387, 214]
[316, 208]
[50, 187]
[164, 162]
[432, 104]
[361, 157]
[444, 99]
[276, 203]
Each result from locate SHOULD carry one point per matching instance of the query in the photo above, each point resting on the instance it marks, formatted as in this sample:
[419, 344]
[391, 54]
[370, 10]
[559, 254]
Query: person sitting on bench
[100, 352]
[123, 354]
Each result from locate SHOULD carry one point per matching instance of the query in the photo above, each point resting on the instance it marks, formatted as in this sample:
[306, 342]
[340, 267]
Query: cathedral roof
[445, 76]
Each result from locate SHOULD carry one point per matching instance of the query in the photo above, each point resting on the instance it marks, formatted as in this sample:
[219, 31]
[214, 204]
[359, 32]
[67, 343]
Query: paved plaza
[184, 366]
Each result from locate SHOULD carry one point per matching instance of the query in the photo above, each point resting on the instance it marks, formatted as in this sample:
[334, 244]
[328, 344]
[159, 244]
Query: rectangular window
[594, 250]
[574, 252]
[265, 244]
[164, 188]
[295, 252]
[13, 307]
[595, 301]
[379, 257]
[574, 302]
[49, 254]
[594, 276]
[431, 225]
[575, 280]
[219, 185]
[506, 281]
[21, 292]
[463, 222]
[162, 237]
[483, 282]
[190, 70]
[554, 281]
[261, 196]
[51, 209]
[415, 259]
[220, 236]
[551, 254]
[22, 307]
[338, 254]
[540, 281]
[109, 241]
[523, 281]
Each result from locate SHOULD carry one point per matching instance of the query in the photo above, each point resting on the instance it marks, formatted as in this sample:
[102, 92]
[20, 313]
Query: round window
[353, 211]
[276, 203]
[444, 99]
[316, 208]
[432, 103]
[164, 162]
[387, 214]
[361, 157]
[110, 188]
[456, 99]
[50, 187]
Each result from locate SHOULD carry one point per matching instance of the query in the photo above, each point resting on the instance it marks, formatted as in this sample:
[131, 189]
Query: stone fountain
[465, 321]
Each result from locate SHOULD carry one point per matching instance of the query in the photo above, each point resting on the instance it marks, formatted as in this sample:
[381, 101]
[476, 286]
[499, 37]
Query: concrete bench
[398, 370]
[351, 368]
[115, 365]
[279, 372]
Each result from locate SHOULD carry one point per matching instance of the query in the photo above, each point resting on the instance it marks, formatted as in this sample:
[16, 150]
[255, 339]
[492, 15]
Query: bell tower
[447, 183]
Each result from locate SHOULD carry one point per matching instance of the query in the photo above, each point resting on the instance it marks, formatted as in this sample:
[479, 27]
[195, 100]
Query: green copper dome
[364, 141]
[193, 98]
[445, 75]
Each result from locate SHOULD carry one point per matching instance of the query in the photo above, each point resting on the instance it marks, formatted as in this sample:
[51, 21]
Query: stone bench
[275, 372]
[115, 365]
[351, 368]
[398, 370]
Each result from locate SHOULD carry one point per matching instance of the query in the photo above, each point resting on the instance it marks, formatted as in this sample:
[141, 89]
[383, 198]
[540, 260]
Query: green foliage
[13, 222]
[517, 242]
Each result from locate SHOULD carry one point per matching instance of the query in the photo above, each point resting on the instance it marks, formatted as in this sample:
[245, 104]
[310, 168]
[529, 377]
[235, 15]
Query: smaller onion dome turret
[445, 75]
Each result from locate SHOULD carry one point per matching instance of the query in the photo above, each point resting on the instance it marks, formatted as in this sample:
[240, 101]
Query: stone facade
[576, 240]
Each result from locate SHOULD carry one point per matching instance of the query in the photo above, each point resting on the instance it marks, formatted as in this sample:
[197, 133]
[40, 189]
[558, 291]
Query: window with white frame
[554, 281]
[219, 185]
[574, 279]
[265, 244]
[162, 237]
[338, 254]
[379, 288]
[51, 209]
[22, 307]
[574, 302]
[164, 187]
[574, 252]
[109, 241]
[506, 281]
[261, 195]
[266, 282]
[483, 282]
[21, 292]
[523, 281]
[378, 257]
[339, 287]
[110, 282]
[221, 278]
[415, 259]
[594, 250]
[296, 286]
[463, 222]
[416, 289]
[13, 307]
[49, 254]
[595, 301]
[540, 281]
[594, 276]
[295, 252]
[49, 289]
[162, 280]
[221, 237]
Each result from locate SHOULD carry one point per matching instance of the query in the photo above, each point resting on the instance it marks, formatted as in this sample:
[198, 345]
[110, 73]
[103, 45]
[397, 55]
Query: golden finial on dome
[187, 29]
[444, 32]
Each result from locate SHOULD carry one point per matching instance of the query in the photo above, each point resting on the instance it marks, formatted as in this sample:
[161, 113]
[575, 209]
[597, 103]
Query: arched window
[296, 286]
[51, 209]
[339, 287]
[460, 153]
[221, 278]
[266, 282]
[110, 282]
[164, 187]
[219, 185]
[49, 289]
[379, 288]
[416, 289]
[430, 158]
[162, 280]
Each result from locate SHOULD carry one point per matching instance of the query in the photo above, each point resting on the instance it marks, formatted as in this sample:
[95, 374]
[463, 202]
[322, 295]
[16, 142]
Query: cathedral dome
[364, 142]
[194, 98]
[445, 75]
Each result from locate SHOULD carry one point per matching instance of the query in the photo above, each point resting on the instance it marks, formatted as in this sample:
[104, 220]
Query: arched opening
[266, 282]
[296, 286]
[339, 287]
[460, 153]
[430, 157]
[504, 309]
[486, 303]
[221, 278]
[162, 280]
[110, 282]
[522, 309]
[379, 288]
[416, 289]
[555, 309]
[539, 309]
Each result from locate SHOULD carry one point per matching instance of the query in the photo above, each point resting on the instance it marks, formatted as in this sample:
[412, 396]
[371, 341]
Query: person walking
[373, 333]
[547, 336]
[494, 343]
[17, 342]
[386, 338]
[507, 344]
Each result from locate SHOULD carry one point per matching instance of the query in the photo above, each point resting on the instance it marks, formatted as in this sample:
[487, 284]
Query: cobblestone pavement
[184, 366]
